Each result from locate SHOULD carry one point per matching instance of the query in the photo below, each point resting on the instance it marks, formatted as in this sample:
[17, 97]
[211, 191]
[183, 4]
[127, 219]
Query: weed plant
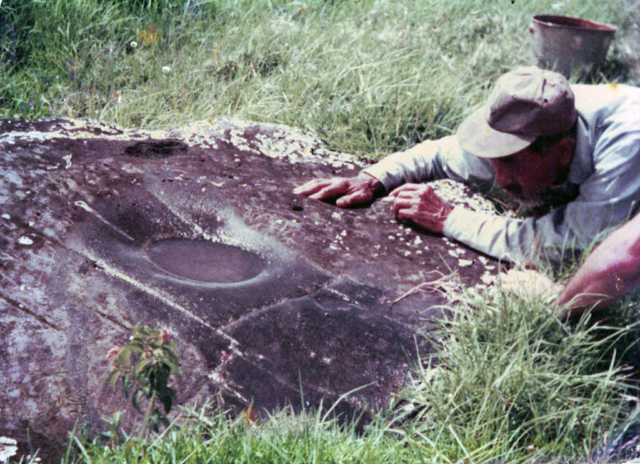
[368, 76]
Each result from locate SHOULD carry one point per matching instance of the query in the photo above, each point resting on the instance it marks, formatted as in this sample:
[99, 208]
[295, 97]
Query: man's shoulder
[604, 97]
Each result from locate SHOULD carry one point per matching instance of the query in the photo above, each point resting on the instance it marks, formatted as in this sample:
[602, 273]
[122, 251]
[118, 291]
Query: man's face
[528, 174]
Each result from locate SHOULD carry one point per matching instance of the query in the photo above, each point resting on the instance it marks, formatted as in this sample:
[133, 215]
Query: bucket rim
[588, 25]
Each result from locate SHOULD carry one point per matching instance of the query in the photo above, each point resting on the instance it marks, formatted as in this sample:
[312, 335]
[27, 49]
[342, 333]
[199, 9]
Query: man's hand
[419, 204]
[529, 285]
[348, 191]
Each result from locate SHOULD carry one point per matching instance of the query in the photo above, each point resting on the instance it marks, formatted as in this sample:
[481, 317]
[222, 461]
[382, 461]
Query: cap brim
[478, 138]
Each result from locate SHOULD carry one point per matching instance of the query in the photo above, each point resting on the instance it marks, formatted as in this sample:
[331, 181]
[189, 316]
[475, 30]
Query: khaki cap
[525, 104]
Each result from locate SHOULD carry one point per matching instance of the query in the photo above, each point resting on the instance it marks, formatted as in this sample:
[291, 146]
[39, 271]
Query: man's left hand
[419, 204]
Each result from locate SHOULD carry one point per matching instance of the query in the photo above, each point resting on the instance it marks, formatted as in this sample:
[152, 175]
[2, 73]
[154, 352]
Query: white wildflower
[166, 69]
[133, 44]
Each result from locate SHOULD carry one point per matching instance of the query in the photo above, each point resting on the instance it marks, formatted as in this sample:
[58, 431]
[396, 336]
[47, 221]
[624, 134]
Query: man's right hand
[347, 191]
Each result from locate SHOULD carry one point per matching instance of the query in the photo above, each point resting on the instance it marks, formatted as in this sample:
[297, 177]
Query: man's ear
[566, 147]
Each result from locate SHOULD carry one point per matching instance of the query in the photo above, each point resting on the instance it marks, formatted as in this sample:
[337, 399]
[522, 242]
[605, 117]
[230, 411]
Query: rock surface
[271, 297]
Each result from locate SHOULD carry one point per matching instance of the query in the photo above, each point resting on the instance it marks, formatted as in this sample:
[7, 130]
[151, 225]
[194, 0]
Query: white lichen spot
[67, 160]
[488, 279]
[83, 205]
[25, 241]
[465, 262]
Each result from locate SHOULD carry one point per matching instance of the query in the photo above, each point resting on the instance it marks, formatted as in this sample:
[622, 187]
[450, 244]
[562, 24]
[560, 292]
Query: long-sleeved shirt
[605, 167]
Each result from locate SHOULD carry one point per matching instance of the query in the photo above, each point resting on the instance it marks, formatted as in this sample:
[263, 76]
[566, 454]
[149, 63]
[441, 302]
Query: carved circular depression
[205, 261]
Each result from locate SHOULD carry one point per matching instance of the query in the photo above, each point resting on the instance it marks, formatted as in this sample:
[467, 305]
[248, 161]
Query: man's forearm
[611, 271]
[430, 160]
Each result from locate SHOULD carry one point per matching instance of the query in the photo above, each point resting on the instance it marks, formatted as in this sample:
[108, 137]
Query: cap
[525, 104]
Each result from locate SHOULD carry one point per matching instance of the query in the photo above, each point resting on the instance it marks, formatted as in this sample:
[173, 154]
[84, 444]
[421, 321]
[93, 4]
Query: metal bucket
[569, 45]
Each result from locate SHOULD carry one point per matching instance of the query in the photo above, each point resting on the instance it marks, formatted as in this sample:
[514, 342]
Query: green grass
[515, 383]
[282, 438]
[368, 76]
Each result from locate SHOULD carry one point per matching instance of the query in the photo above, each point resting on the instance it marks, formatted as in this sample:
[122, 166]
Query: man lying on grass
[576, 148]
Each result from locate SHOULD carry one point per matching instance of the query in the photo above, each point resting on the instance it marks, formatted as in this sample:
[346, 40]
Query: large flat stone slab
[197, 230]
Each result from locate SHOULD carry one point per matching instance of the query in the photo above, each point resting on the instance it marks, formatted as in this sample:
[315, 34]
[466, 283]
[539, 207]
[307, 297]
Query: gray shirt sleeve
[431, 160]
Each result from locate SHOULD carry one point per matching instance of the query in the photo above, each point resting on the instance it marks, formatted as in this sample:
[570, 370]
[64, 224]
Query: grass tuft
[513, 382]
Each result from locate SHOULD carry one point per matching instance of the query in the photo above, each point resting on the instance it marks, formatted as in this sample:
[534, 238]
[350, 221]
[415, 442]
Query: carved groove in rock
[161, 149]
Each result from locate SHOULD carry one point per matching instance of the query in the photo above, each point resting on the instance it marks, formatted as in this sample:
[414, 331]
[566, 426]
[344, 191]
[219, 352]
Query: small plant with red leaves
[144, 367]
